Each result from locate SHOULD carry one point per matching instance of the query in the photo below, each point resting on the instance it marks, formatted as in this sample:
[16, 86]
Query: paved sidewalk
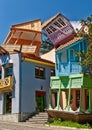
[27, 126]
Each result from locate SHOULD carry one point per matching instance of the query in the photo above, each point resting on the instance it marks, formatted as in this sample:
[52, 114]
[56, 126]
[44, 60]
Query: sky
[17, 11]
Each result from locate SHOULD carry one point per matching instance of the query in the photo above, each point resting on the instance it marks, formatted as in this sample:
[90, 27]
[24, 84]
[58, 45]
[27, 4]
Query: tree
[46, 44]
[87, 57]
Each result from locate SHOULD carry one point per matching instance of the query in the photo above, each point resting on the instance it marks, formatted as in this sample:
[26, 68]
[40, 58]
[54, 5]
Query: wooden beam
[18, 38]
[33, 38]
[9, 37]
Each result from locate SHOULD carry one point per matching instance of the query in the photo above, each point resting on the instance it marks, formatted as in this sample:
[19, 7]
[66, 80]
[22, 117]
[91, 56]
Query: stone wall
[72, 116]
[15, 117]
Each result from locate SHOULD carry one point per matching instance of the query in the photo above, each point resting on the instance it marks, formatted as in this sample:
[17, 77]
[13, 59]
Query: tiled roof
[75, 39]
[38, 58]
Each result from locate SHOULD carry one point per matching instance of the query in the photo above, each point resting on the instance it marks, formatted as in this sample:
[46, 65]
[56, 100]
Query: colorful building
[71, 88]
[24, 75]
[58, 29]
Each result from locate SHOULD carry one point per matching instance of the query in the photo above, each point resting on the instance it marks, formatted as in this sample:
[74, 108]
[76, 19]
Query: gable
[26, 35]
[31, 25]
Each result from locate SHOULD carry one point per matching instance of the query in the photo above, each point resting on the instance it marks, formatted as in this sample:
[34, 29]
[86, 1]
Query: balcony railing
[68, 68]
[65, 82]
[6, 84]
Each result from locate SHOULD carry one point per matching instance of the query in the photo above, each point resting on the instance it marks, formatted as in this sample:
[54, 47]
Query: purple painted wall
[59, 30]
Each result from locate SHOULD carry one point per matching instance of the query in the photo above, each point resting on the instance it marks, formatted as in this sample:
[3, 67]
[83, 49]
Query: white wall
[15, 58]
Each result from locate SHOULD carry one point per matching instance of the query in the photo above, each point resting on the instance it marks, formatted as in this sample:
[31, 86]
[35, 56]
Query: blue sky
[17, 11]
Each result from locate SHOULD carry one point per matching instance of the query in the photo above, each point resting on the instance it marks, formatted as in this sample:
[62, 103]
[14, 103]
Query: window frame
[8, 70]
[52, 72]
[39, 72]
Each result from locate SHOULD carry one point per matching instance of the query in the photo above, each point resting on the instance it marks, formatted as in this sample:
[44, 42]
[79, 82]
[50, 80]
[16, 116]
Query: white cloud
[76, 24]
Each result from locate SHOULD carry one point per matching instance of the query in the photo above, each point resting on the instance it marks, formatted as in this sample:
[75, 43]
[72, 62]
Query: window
[61, 21]
[48, 31]
[8, 70]
[72, 55]
[40, 72]
[57, 24]
[64, 57]
[52, 72]
[52, 28]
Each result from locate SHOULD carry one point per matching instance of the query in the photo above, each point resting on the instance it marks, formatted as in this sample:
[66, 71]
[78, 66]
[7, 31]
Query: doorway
[7, 103]
[40, 101]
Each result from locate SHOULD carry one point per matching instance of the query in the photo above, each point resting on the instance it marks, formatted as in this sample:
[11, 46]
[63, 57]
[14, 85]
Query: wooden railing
[63, 82]
[6, 84]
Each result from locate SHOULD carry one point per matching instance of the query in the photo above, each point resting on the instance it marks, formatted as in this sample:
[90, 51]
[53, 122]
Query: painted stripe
[40, 62]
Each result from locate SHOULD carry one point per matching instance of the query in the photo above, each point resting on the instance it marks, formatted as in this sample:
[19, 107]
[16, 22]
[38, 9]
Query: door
[7, 102]
[40, 101]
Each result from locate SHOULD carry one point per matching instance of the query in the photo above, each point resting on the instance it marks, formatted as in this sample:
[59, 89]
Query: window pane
[52, 28]
[64, 57]
[48, 31]
[52, 72]
[8, 71]
[61, 22]
[39, 72]
[57, 24]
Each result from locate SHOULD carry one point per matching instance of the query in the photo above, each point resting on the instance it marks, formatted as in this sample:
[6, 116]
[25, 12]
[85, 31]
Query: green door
[40, 101]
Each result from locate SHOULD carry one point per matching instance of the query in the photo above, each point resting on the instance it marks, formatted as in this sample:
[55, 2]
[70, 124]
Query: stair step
[36, 121]
[39, 118]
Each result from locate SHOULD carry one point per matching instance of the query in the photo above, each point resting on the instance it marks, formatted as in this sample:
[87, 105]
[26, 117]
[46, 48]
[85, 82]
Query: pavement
[28, 126]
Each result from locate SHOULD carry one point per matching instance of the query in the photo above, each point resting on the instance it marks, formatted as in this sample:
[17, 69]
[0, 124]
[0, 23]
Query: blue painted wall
[30, 84]
[67, 62]
[25, 85]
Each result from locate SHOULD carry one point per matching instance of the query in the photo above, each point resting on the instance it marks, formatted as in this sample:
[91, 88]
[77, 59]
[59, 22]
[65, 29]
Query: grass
[59, 122]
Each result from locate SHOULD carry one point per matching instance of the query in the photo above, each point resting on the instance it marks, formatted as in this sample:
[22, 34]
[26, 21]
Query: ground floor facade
[24, 87]
[7, 107]
[71, 95]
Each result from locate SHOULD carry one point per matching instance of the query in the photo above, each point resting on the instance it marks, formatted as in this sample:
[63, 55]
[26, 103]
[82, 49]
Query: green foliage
[60, 122]
[87, 57]
[46, 44]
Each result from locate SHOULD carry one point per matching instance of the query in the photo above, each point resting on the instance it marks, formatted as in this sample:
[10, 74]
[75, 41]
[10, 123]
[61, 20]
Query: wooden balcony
[6, 84]
[65, 69]
[73, 81]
